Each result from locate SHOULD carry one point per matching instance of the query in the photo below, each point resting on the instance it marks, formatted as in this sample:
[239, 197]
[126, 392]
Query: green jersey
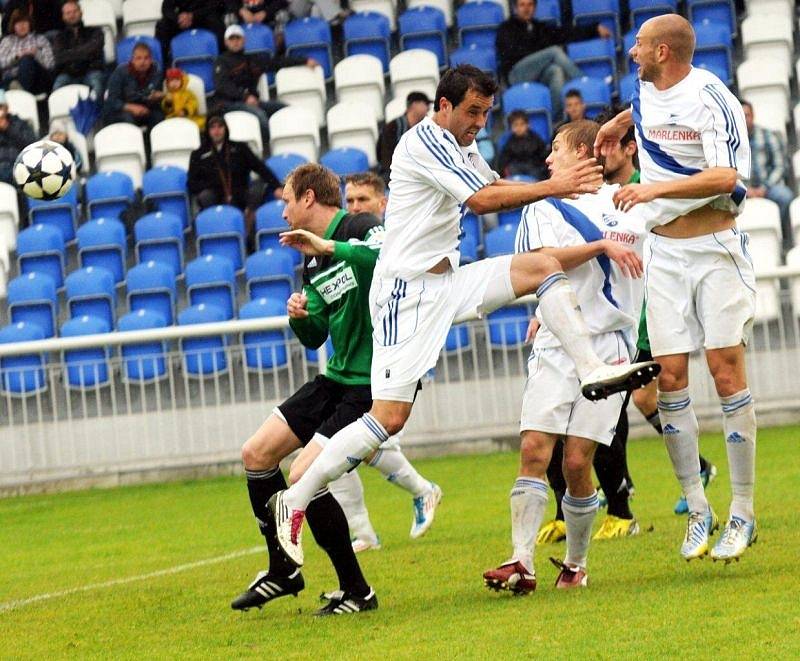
[337, 287]
[643, 341]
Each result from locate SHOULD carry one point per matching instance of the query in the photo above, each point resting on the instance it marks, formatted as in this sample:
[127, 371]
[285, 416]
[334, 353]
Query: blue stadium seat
[508, 326]
[61, 213]
[468, 247]
[32, 299]
[345, 161]
[102, 242]
[457, 338]
[512, 216]
[310, 37]
[424, 27]
[312, 355]
[212, 280]
[159, 237]
[258, 38]
[22, 375]
[264, 350]
[368, 33]
[477, 22]
[628, 40]
[627, 86]
[151, 286]
[483, 57]
[109, 194]
[712, 66]
[597, 11]
[534, 99]
[220, 231]
[595, 92]
[164, 187]
[91, 291]
[714, 49]
[40, 249]
[194, 51]
[270, 274]
[500, 241]
[85, 368]
[548, 11]
[719, 12]
[282, 164]
[125, 48]
[471, 226]
[145, 362]
[597, 58]
[269, 224]
[641, 10]
[203, 356]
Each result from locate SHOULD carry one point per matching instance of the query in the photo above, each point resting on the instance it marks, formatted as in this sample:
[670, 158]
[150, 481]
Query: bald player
[699, 280]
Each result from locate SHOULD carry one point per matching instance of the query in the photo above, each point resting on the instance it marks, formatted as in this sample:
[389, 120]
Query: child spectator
[524, 152]
[58, 133]
[179, 100]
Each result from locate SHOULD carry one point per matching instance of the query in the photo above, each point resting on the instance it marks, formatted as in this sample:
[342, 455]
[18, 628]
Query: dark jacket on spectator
[516, 38]
[124, 87]
[387, 141]
[236, 74]
[79, 50]
[46, 14]
[202, 9]
[13, 140]
[523, 155]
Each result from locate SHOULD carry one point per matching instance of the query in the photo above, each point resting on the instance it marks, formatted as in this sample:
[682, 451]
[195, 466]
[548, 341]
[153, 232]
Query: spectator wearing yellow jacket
[179, 100]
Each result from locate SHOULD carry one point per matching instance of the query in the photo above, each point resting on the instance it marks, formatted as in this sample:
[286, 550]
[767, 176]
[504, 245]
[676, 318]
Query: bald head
[675, 32]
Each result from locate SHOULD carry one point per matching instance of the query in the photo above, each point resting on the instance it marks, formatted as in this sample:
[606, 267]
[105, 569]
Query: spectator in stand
[769, 168]
[180, 15]
[14, 137]
[58, 133]
[179, 100]
[45, 14]
[79, 52]
[26, 57]
[530, 50]
[574, 107]
[262, 11]
[134, 91]
[17, 124]
[417, 106]
[524, 152]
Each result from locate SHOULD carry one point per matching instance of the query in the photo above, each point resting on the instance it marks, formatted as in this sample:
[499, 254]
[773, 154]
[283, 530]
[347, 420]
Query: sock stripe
[375, 427]
[261, 475]
[581, 503]
[730, 407]
[674, 406]
[322, 492]
[549, 281]
[529, 483]
[374, 461]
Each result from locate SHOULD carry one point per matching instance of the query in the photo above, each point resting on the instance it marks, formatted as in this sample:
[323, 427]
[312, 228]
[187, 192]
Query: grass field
[643, 600]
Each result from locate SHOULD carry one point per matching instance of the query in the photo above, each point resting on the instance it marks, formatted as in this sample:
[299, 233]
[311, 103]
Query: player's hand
[608, 138]
[296, 306]
[584, 177]
[306, 242]
[629, 195]
[533, 328]
[625, 257]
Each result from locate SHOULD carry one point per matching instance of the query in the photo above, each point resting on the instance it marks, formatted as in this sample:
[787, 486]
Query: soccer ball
[44, 170]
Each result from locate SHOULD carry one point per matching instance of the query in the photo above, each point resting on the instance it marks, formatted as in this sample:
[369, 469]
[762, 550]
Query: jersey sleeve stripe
[730, 124]
[441, 154]
[449, 153]
[435, 151]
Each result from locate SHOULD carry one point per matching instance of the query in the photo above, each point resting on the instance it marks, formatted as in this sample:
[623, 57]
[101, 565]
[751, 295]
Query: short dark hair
[515, 115]
[574, 93]
[142, 45]
[367, 179]
[455, 83]
[745, 102]
[416, 97]
[608, 113]
[318, 178]
[580, 132]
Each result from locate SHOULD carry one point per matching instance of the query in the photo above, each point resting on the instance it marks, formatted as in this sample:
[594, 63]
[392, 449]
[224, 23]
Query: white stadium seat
[245, 127]
[359, 79]
[793, 259]
[23, 104]
[9, 216]
[395, 108]
[353, 125]
[761, 220]
[414, 70]
[173, 141]
[386, 7]
[303, 87]
[197, 86]
[140, 17]
[796, 168]
[445, 6]
[100, 13]
[294, 130]
[120, 147]
[61, 100]
[5, 267]
[763, 83]
[794, 218]
[768, 35]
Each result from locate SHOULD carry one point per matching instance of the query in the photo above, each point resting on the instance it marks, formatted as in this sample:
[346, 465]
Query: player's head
[661, 42]
[623, 159]
[365, 193]
[749, 117]
[417, 106]
[518, 122]
[574, 105]
[525, 9]
[464, 98]
[310, 190]
[572, 142]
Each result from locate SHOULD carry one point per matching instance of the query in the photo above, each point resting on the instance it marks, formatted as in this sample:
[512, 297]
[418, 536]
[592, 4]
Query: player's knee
[393, 421]
[534, 458]
[727, 382]
[669, 381]
[576, 466]
[258, 455]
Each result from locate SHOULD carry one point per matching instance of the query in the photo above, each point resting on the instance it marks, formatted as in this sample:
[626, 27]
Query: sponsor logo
[628, 238]
[673, 135]
[609, 220]
[312, 263]
[337, 285]
[353, 461]
[669, 430]
[735, 437]
[673, 119]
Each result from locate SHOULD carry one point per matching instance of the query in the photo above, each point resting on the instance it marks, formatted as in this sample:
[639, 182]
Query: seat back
[264, 349]
[302, 87]
[22, 375]
[164, 187]
[120, 148]
[145, 362]
[310, 37]
[351, 125]
[294, 130]
[415, 70]
[85, 368]
[359, 79]
[244, 127]
[194, 51]
[139, 17]
[23, 104]
[61, 213]
[368, 33]
[534, 99]
[345, 161]
[203, 356]
[173, 140]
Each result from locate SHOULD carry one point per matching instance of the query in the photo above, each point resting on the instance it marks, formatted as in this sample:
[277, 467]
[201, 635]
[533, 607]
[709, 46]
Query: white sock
[345, 449]
[396, 468]
[739, 425]
[562, 316]
[680, 429]
[528, 504]
[349, 492]
[579, 515]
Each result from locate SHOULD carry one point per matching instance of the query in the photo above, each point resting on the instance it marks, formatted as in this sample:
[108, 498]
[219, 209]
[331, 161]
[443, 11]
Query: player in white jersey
[419, 290]
[606, 275]
[699, 281]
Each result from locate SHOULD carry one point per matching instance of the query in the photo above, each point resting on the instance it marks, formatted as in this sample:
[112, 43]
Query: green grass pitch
[643, 602]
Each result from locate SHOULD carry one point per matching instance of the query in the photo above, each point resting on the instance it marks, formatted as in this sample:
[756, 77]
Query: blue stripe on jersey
[452, 141]
[590, 232]
[440, 153]
[523, 243]
[739, 193]
[730, 124]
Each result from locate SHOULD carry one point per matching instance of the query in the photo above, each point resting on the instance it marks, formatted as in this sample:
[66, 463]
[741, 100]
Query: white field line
[12, 605]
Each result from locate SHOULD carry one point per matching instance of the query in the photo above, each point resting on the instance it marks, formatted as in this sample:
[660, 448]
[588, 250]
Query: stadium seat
[164, 188]
[151, 286]
[368, 33]
[769, 35]
[548, 11]
[302, 87]
[387, 8]
[282, 164]
[207, 355]
[23, 104]
[198, 88]
[508, 326]
[761, 220]
[394, 108]
[109, 194]
[139, 17]
[40, 249]
[85, 368]
[793, 260]
[125, 48]
[212, 280]
[9, 215]
[597, 11]
[32, 299]
[352, 125]
[100, 13]
[627, 86]
[444, 6]
[595, 92]
[415, 70]
[345, 161]
[5, 269]
[468, 248]
[220, 231]
[310, 37]
[359, 79]
[102, 242]
[794, 220]
[764, 83]
[267, 349]
[597, 58]
[244, 127]
[628, 40]
[24, 374]
[61, 213]
[534, 99]
[485, 58]
[159, 237]
[423, 27]
[313, 355]
[269, 224]
[270, 274]
[458, 339]
[120, 148]
[91, 291]
[641, 10]
[715, 11]
[500, 240]
[471, 226]
[172, 141]
[259, 39]
[143, 362]
[61, 100]
[477, 23]
[295, 131]
[194, 51]
[713, 49]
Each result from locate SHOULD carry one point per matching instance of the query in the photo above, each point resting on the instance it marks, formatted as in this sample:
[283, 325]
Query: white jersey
[695, 124]
[609, 300]
[430, 179]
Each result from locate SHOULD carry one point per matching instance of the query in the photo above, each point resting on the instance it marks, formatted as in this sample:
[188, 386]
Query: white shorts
[411, 319]
[699, 293]
[552, 401]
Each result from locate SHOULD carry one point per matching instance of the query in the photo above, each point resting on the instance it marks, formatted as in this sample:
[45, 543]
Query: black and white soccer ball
[44, 170]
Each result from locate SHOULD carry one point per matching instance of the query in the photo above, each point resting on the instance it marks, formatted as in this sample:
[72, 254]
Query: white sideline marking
[11, 605]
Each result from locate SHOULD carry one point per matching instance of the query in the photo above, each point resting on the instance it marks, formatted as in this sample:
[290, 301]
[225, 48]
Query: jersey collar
[334, 223]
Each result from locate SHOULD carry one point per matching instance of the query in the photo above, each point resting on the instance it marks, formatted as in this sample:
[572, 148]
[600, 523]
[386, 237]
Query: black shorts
[323, 406]
[642, 355]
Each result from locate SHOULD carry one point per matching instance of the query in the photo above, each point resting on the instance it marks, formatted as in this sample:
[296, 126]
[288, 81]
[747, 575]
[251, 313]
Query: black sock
[610, 466]
[555, 475]
[655, 421]
[705, 464]
[329, 527]
[262, 485]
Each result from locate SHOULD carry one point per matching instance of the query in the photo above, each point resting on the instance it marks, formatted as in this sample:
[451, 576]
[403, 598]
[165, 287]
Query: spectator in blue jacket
[135, 91]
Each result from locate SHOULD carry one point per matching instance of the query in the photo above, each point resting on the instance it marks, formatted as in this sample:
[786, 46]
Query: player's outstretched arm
[307, 242]
[708, 183]
[571, 257]
[610, 133]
